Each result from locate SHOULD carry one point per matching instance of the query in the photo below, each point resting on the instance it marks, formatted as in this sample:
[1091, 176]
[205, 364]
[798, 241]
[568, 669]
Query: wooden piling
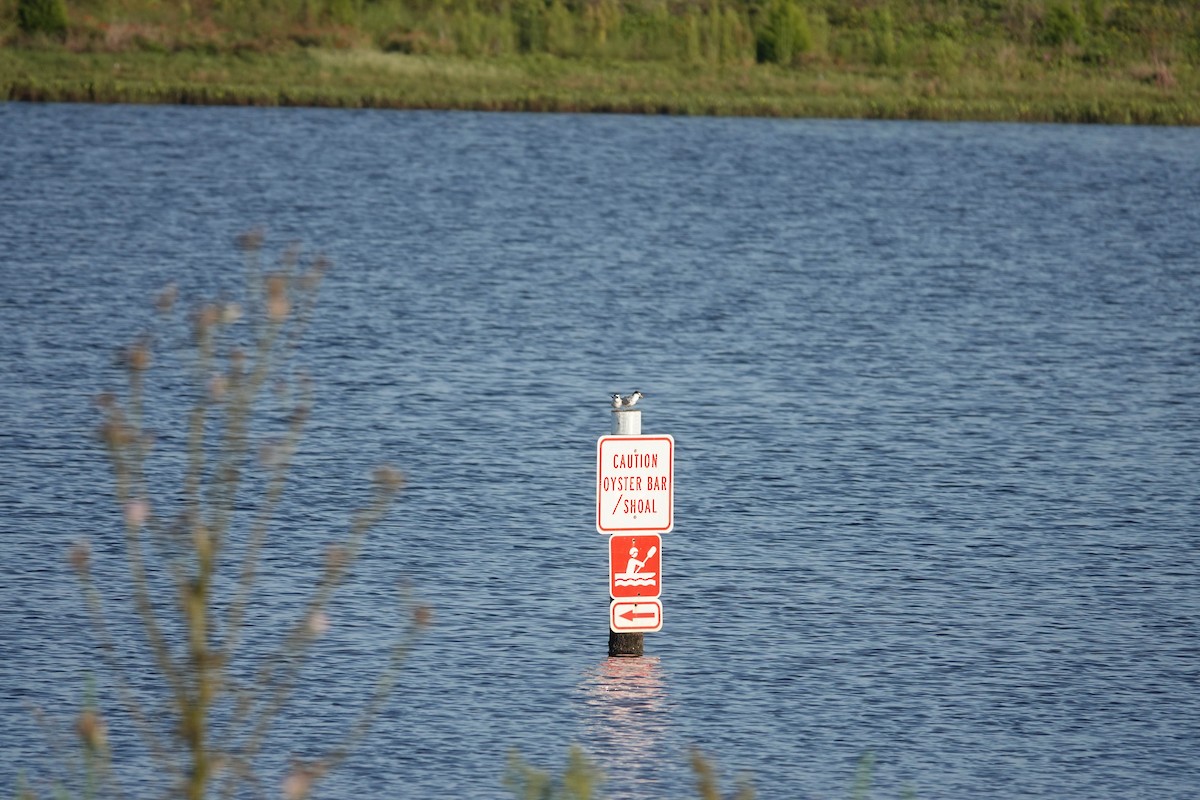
[626, 422]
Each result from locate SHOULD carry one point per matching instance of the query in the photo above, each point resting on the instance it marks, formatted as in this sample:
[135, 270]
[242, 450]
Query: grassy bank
[372, 79]
[1109, 62]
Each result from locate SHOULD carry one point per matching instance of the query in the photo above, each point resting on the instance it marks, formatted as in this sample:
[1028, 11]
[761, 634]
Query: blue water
[935, 393]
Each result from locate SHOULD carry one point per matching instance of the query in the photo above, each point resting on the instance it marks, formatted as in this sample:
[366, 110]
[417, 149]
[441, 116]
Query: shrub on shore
[42, 17]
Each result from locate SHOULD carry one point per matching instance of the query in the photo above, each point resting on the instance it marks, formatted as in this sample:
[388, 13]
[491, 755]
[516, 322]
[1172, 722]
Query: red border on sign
[670, 477]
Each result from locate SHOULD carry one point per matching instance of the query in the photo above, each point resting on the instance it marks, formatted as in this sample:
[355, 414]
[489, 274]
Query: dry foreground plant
[193, 555]
[196, 525]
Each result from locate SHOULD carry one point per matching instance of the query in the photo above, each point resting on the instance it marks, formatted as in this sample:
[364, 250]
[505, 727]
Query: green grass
[368, 78]
[1026, 60]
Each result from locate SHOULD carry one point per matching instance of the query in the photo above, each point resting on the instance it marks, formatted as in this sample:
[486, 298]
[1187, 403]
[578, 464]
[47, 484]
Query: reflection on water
[626, 723]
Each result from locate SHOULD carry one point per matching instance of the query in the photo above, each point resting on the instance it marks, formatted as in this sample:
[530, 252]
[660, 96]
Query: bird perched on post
[616, 400]
[629, 401]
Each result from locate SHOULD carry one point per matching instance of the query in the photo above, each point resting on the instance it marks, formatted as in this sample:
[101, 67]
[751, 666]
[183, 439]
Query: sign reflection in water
[627, 722]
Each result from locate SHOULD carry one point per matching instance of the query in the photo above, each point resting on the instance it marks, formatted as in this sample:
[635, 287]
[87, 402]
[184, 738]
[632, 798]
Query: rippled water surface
[935, 392]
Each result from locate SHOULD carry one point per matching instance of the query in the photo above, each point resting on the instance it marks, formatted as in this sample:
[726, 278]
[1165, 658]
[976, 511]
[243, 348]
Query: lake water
[934, 388]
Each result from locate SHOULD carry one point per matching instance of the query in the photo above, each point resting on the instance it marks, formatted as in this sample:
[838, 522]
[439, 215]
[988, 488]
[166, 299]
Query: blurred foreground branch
[194, 554]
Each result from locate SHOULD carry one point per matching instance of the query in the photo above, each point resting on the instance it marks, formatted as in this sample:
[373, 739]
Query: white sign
[635, 616]
[635, 484]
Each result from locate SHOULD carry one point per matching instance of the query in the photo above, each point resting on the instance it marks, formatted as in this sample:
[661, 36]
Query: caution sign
[635, 484]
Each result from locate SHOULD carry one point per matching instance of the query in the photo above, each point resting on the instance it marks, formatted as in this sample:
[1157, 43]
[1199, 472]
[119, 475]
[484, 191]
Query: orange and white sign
[635, 565]
[635, 616]
[635, 484]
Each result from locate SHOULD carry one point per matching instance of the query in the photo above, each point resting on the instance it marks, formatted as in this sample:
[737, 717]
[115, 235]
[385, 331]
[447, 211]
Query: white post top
[627, 422]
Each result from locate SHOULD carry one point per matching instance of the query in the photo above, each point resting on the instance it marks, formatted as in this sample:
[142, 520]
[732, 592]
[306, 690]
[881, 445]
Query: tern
[616, 400]
[631, 400]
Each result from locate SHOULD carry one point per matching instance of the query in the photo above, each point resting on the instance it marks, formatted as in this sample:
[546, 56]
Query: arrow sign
[635, 616]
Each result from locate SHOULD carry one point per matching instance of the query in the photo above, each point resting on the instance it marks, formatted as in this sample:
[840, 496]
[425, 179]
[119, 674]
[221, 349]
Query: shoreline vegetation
[1110, 61]
[1093, 61]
